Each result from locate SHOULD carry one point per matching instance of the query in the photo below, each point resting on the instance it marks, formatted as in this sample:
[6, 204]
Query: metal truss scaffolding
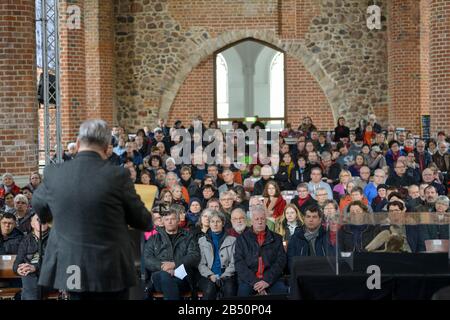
[48, 50]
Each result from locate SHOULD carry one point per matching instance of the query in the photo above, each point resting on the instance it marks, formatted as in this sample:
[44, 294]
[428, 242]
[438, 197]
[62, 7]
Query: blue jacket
[299, 246]
[370, 192]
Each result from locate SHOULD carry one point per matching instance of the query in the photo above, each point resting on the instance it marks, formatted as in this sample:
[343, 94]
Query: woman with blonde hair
[286, 224]
[345, 176]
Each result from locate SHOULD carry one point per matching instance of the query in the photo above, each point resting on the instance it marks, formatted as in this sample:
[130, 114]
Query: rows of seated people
[235, 227]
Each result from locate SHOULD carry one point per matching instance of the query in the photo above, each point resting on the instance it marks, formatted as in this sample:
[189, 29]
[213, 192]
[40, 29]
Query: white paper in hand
[180, 272]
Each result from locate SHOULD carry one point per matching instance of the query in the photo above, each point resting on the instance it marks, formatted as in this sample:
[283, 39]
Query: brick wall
[305, 97]
[196, 95]
[18, 116]
[440, 65]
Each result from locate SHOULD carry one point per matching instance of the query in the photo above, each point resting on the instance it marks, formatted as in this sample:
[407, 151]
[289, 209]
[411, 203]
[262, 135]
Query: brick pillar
[73, 73]
[425, 56]
[18, 102]
[99, 43]
[404, 64]
[440, 66]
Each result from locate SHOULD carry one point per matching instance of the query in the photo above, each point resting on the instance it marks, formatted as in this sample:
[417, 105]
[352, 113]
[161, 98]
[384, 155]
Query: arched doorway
[249, 82]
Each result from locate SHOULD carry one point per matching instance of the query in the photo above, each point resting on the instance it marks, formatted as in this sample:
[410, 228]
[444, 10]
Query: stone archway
[334, 95]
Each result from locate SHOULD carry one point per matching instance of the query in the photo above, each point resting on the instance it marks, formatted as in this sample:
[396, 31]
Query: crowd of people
[236, 226]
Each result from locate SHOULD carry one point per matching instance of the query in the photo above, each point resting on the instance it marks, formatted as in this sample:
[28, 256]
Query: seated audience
[310, 239]
[23, 213]
[316, 183]
[266, 176]
[259, 258]
[440, 229]
[216, 266]
[167, 250]
[202, 226]
[8, 186]
[26, 264]
[8, 205]
[359, 232]
[303, 199]
[35, 181]
[273, 200]
[286, 224]
[238, 222]
[11, 236]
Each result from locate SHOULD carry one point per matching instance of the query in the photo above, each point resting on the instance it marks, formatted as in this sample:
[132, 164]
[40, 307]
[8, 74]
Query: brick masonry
[18, 116]
[440, 65]
[159, 43]
[135, 60]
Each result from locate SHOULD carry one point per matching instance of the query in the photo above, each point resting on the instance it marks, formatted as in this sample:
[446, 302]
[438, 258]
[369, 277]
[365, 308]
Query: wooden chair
[7, 274]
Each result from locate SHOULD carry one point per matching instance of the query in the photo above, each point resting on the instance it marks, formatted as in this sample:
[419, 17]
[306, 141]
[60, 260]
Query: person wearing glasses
[316, 183]
[303, 199]
[11, 236]
[399, 178]
[238, 222]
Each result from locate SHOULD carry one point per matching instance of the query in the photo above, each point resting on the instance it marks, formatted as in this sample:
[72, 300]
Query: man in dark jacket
[168, 250]
[423, 158]
[26, 264]
[89, 251]
[304, 199]
[399, 178]
[259, 258]
[331, 170]
[11, 236]
[266, 176]
[309, 240]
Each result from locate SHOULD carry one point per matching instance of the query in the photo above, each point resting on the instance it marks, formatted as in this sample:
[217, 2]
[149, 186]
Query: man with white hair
[238, 222]
[259, 258]
[71, 152]
[370, 191]
[442, 157]
[91, 213]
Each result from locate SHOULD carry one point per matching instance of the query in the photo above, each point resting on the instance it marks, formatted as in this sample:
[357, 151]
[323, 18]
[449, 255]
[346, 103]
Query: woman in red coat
[273, 200]
[8, 185]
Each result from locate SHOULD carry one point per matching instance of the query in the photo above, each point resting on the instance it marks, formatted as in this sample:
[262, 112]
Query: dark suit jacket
[92, 203]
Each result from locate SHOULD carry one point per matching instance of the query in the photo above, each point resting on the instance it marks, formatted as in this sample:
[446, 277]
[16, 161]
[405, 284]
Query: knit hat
[195, 200]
